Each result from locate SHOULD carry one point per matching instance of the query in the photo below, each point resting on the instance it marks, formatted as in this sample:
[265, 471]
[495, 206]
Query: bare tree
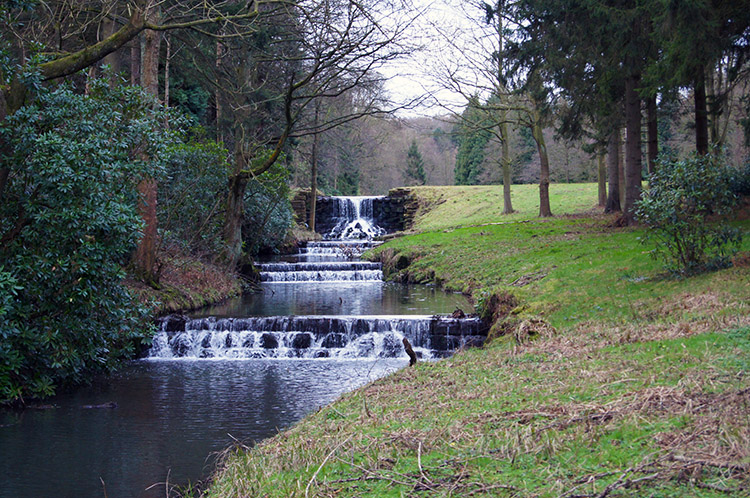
[476, 68]
[303, 52]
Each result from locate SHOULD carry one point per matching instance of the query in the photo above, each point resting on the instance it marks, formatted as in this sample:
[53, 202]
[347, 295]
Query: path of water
[213, 384]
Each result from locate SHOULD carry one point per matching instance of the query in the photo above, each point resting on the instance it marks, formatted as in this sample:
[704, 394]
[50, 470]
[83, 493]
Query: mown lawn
[613, 378]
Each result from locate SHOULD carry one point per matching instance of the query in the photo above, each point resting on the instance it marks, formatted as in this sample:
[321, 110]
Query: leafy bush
[268, 211]
[192, 196]
[741, 180]
[685, 210]
[68, 224]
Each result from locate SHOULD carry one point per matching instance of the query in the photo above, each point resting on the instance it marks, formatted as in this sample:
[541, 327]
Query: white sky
[415, 77]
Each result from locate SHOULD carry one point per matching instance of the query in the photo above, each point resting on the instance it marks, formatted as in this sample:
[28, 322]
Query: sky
[415, 76]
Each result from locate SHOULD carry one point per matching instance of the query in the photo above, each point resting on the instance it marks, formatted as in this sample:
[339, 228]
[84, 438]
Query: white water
[354, 219]
[311, 337]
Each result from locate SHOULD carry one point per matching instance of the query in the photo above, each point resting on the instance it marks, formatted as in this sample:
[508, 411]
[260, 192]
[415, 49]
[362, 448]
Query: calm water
[340, 298]
[171, 417]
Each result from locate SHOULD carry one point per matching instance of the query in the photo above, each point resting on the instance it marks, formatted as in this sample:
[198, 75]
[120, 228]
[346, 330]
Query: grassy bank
[185, 283]
[612, 378]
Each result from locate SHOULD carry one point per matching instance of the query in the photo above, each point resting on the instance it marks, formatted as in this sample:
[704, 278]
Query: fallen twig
[312, 479]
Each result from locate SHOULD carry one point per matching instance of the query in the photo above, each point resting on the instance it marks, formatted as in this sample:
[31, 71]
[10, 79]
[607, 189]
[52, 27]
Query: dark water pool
[340, 298]
[171, 419]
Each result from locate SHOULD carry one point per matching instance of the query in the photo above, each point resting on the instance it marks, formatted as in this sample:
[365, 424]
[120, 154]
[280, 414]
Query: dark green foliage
[189, 97]
[415, 166]
[472, 136]
[268, 211]
[68, 224]
[192, 196]
[684, 209]
[741, 180]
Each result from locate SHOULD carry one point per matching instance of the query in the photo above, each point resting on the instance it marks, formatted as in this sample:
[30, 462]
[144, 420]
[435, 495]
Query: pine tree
[415, 166]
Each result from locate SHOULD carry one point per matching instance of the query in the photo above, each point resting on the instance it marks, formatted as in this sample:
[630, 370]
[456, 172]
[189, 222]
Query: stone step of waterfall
[313, 336]
[322, 276]
[337, 249]
[321, 266]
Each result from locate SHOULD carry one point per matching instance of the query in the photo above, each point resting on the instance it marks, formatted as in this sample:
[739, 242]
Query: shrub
[268, 210]
[68, 224]
[192, 196]
[741, 180]
[685, 209]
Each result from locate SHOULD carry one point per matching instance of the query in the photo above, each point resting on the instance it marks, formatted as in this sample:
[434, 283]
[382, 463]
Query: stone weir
[314, 336]
[324, 261]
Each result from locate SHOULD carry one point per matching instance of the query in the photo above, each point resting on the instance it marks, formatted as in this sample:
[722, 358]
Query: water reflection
[340, 298]
[170, 415]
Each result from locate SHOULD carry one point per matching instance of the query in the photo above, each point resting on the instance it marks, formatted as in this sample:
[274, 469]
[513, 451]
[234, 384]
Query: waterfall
[352, 218]
[313, 336]
[350, 230]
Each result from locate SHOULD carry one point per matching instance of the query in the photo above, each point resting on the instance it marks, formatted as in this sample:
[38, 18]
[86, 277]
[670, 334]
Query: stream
[232, 374]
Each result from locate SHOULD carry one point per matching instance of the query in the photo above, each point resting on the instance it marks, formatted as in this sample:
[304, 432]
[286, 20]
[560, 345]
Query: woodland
[135, 130]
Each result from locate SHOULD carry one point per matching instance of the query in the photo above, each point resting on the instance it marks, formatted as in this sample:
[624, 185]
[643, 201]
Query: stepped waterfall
[349, 228]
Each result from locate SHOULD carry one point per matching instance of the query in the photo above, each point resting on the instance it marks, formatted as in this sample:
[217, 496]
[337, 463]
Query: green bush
[685, 209]
[268, 211]
[741, 180]
[192, 196]
[68, 225]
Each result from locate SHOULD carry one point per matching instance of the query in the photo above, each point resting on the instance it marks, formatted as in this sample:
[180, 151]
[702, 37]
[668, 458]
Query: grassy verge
[186, 283]
[624, 381]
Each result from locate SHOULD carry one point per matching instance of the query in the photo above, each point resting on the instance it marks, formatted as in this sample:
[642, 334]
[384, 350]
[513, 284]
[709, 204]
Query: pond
[171, 419]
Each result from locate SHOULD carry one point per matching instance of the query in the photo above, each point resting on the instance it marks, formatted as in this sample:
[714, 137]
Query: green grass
[579, 268]
[635, 384]
[468, 205]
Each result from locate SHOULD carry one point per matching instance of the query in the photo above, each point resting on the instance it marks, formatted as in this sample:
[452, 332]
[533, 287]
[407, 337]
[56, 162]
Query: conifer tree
[415, 165]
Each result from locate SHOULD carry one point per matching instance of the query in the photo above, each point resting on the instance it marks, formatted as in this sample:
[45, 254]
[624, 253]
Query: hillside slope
[606, 377]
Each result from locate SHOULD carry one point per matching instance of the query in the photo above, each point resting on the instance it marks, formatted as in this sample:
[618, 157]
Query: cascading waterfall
[313, 336]
[335, 259]
[354, 219]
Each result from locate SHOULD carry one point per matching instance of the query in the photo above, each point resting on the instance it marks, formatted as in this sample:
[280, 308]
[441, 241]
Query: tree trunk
[217, 94]
[235, 209]
[135, 62]
[113, 59]
[613, 172]
[166, 70]
[602, 177]
[621, 166]
[701, 113]
[544, 207]
[314, 172]
[633, 156]
[145, 260]
[653, 134]
[507, 203]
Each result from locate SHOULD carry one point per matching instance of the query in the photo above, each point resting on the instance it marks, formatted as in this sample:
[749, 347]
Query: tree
[474, 68]
[71, 48]
[301, 53]
[471, 136]
[590, 44]
[703, 45]
[68, 224]
[414, 171]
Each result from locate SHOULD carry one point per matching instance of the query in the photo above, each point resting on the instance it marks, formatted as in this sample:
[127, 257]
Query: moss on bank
[611, 379]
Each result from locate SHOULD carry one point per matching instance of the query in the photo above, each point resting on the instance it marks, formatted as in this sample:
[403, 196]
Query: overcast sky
[449, 37]
[414, 77]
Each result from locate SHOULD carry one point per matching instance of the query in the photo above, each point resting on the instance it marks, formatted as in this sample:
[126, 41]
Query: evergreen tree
[471, 135]
[415, 165]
